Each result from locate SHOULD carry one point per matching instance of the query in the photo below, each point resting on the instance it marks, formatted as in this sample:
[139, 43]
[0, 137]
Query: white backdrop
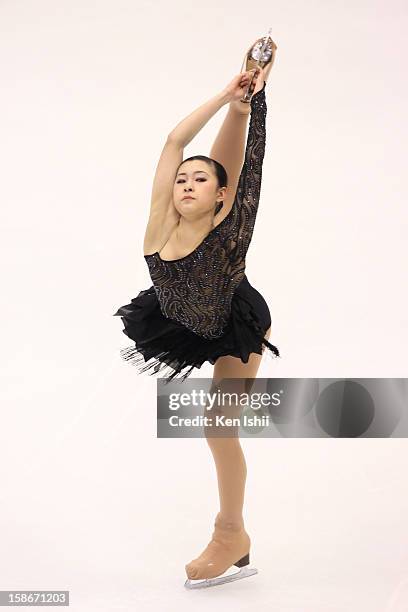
[89, 500]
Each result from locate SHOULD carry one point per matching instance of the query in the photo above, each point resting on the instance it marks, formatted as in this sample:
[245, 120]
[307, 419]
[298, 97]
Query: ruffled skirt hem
[163, 345]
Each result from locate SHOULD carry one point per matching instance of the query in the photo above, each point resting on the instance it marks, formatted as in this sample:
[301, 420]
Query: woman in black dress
[201, 306]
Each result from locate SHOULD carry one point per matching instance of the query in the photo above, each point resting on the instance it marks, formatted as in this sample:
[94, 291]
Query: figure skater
[201, 306]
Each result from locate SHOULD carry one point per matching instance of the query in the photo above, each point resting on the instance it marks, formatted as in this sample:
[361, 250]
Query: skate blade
[244, 572]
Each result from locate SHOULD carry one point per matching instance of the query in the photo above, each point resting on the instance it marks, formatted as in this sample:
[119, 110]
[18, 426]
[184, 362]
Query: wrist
[242, 108]
[224, 97]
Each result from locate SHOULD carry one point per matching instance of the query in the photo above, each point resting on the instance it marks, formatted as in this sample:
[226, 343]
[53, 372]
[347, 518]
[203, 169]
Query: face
[197, 179]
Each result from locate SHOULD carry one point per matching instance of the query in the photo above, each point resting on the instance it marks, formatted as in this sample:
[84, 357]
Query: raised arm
[229, 145]
[229, 149]
[172, 153]
[185, 131]
[241, 223]
[179, 138]
[163, 215]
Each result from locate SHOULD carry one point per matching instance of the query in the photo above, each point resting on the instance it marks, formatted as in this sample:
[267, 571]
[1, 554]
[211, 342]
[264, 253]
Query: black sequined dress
[202, 306]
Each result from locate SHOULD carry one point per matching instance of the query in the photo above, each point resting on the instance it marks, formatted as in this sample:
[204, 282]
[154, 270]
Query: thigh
[226, 368]
[233, 367]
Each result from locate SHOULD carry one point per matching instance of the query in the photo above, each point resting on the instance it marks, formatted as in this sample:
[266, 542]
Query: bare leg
[230, 542]
[227, 452]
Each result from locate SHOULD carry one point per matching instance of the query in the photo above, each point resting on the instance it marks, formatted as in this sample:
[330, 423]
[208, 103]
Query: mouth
[188, 198]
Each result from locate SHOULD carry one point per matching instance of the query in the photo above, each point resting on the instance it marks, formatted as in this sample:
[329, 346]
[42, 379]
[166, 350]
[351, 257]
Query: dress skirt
[163, 344]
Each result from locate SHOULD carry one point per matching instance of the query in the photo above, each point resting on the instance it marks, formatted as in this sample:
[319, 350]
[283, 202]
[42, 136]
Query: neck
[190, 230]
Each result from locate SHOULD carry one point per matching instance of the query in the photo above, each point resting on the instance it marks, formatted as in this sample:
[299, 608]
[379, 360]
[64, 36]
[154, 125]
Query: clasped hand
[236, 89]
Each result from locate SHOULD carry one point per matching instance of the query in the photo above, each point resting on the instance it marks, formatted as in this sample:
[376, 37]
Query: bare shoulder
[159, 228]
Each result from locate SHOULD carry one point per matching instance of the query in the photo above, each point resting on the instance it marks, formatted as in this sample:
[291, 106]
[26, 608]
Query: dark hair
[219, 170]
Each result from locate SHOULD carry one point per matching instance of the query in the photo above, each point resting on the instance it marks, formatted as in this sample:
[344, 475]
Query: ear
[221, 193]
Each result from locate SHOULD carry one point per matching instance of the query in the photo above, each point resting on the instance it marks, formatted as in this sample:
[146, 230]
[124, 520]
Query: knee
[222, 423]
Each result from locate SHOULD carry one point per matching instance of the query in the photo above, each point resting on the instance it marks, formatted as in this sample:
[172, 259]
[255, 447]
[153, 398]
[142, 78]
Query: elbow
[171, 137]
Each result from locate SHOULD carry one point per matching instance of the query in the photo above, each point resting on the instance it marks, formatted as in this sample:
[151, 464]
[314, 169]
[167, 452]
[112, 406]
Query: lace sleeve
[245, 206]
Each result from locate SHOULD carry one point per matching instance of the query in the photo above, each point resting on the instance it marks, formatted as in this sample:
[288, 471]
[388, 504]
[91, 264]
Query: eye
[199, 179]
